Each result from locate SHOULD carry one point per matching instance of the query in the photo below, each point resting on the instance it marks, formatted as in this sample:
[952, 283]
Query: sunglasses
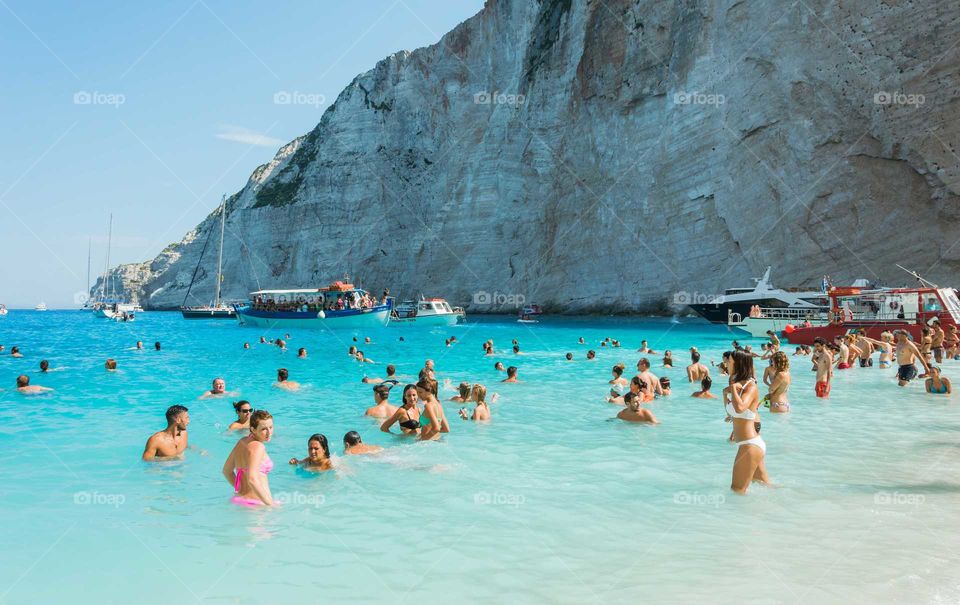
[246, 410]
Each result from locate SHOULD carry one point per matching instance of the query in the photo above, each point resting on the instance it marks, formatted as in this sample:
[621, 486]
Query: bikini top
[746, 414]
[941, 390]
[265, 467]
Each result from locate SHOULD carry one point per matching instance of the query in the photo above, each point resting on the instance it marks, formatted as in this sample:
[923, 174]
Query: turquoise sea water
[550, 502]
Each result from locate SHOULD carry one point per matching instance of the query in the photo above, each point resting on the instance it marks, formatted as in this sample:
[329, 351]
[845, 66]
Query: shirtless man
[865, 345]
[381, 404]
[511, 375]
[644, 373]
[283, 383]
[823, 363]
[172, 441]
[218, 389]
[951, 341]
[391, 376]
[696, 371]
[139, 345]
[15, 352]
[23, 386]
[645, 349]
[353, 445]
[427, 371]
[907, 354]
[936, 340]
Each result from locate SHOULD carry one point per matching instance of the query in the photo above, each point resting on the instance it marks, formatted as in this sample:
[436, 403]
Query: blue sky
[153, 110]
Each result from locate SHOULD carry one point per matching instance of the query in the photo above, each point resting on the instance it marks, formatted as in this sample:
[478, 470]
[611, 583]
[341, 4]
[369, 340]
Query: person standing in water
[907, 354]
[382, 407]
[318, 454]
[353, 445]
[243, 410]
[24, 386]
[741, 401]
[937, 384]
[247, 465]
[823, 364]
[283, 382]
[407, 415]
[432, 421]
[633, 412]
[704, 392]
[779, 383]
[696, 371]
[172, 441]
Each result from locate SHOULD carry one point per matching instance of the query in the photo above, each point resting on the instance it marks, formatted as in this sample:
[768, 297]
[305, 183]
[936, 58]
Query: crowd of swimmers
[420, 413]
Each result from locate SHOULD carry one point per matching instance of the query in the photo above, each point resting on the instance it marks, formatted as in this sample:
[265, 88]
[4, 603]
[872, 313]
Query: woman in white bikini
[741, 400]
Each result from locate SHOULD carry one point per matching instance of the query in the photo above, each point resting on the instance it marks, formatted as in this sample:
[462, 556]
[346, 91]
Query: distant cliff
[602, 156]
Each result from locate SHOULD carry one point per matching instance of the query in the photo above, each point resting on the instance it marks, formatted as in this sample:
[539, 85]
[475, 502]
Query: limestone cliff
[602, 155]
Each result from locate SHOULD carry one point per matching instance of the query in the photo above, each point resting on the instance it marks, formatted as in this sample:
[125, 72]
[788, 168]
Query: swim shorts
[823, 389]
[907, 373]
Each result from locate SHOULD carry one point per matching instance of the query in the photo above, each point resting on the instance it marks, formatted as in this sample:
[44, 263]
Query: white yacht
[738, 301]
[41, 307]
[428, 311]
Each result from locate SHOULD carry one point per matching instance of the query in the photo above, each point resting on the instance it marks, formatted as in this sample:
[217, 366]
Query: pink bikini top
[265, 467]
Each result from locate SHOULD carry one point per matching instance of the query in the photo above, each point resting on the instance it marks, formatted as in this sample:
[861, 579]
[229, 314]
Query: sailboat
[110, 306]
[217, 310]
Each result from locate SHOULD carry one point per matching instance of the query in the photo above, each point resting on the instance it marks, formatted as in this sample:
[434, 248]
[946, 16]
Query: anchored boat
[217, 310]
[428, 311]
[339, 305]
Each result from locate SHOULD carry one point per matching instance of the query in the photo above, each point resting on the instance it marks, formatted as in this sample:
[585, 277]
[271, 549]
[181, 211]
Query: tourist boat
[106, 304]
[717, 309]
[776, 319]
[877, 311]
[313, 308]
[3, 310]
[41, 307]
[529, 314]
[428, 311]
[217, 310]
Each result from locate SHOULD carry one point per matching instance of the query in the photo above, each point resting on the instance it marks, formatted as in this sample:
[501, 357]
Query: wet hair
[780, 361]
[618, 369]
[318, 437]
[156, 345]
[664, 382]
[464, 390]
[352, 438]
[258, 416]
[695, 357]
[706, 383]
[382, 390]
[481, 393]
[512, 371]
[569, 356]
[301, 351]
[173, 411]
[282, 374]
[44, 364]
[632, 401]
[516, 348]
[498, 365]
[742, 366]
[111, 364]
[591, 354]
[644, 362]
[23, 381]
[14, 350]
[391, 370]
[428, 385]
[239, 404]
[407, 389]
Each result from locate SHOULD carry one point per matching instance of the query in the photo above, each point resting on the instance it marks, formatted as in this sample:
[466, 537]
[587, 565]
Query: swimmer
[218, 389]
[482, 411]
[263, 340]
[247, 465]
[171, 442]
[664, 386]
[511, 375]
[591, 354]
[696, 371]
[318, 454]
[353, 445]
[111, 365]
[937, 384]
[645, 349]
[463, 394]
[15, 352]
[499, 367]
[433, 421]
[704, 392]
[283, 382]
[360, 357]
[618, 384]
[907, 354]
[24, 386]
[667, 359]
[779, 383]
[516, 350]
[243, 410]
[569, 356]
[391, 377]
[643, 371]
[302, 353]
[741, 400]
[427, 371]
[44, 365]
[581, 341]
[382, 407]
[407, 415]
[156, 346]
[139, 345]
[633, 412]
[246, 345]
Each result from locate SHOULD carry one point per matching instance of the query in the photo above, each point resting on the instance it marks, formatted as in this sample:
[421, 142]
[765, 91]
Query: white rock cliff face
[603, 155]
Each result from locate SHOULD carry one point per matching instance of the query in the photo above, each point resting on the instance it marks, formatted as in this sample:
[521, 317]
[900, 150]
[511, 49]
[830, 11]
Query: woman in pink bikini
[247, 465]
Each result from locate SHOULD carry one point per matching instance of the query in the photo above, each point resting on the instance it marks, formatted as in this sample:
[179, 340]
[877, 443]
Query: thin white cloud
[239, 134]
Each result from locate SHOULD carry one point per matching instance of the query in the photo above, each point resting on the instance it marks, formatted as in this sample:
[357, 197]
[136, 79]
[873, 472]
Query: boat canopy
[301, 291]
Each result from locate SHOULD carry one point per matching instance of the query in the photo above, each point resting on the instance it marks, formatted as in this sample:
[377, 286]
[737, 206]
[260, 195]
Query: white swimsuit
[747, 414]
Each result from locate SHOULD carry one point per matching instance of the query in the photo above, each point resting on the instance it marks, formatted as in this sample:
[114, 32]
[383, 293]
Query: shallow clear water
[550, 502]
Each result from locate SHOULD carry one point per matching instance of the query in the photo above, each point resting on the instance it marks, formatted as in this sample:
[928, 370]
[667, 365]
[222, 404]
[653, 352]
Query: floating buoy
[321, 315]
[789, 328]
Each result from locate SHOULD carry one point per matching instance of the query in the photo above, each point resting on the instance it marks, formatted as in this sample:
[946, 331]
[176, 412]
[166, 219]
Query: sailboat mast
[86, 286]
[223, 218]
[106, 271]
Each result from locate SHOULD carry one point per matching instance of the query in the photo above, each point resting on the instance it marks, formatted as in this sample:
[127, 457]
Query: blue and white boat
[429, 312]
[339, 305]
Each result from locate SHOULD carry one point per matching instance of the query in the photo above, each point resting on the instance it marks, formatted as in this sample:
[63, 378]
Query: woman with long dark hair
[741, 401]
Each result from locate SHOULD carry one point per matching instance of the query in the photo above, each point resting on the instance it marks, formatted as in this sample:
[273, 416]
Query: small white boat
[429, 312]
[3, 310]
[41, 307]
[527, 321]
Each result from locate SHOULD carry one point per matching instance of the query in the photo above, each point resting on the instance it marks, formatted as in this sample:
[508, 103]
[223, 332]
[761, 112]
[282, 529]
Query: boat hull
[440, 319]
[758, 326]
[806, 336]
[351, 318]
[208, 313]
